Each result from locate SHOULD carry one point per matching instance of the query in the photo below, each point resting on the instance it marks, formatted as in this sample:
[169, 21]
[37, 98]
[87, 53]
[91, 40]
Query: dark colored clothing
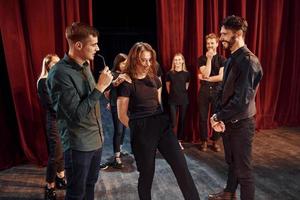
[64, 134]
[181, 109]
[206, 101]
[143, 96]
[119, 132]
[55, 150]
[217, 62]
[55, 154]
[113, 95]
[149, 134]
[68, 165]
[159, 71]
[242, 74]
[178, 92]
[237, 140]
[83, 174]
[207, 96]
[119, 128]
[236, 108]
[44, 96]
[178, 99]
[77, 102]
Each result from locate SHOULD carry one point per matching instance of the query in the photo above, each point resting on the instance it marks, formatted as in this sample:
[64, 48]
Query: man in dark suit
[236, 109]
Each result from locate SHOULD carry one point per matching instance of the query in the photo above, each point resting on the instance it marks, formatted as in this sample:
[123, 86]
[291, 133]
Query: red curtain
[30, 30]
[272, 36]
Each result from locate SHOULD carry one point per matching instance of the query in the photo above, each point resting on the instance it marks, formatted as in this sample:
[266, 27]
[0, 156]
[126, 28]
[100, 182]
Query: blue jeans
[83, 174]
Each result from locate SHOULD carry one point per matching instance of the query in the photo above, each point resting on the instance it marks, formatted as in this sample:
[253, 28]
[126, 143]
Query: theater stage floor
[276, 156]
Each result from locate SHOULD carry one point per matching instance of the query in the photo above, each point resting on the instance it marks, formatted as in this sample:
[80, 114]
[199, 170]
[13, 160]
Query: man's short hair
[79, 32]
[212, 36]
[235, 23]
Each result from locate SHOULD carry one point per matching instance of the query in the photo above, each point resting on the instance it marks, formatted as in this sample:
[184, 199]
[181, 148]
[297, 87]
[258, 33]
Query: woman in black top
[177, 83]
[150, 128]
[119, 129]
[55, 169]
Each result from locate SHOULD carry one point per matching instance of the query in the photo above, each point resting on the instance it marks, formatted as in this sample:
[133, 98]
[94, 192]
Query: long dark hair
[121, 57]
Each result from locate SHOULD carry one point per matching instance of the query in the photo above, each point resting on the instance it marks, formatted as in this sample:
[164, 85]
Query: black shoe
[103, 166]
[60, 183]
[50, 193]
[124, 153]
[117, 165]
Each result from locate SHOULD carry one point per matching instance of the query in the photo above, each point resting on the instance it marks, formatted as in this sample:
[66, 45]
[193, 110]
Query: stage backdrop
[32, 29]
[273, 35]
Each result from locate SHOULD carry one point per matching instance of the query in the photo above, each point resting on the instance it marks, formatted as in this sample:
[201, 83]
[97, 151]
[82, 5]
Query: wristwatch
[214, 117]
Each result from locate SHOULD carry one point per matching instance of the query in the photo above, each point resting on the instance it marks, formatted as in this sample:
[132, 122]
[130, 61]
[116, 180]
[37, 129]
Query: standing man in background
[75, 97]
[211, 67]
[236, 109]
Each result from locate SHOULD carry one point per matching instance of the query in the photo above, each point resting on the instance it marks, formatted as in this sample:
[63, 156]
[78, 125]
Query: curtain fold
[30, 30]
[272, 36]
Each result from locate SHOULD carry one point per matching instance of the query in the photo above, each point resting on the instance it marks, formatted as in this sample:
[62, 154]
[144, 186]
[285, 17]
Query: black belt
[234, 121]
[211, 84]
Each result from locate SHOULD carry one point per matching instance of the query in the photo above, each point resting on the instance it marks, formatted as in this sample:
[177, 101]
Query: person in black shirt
[211, 67]
[150, 128]
[75, 96]
[119, 66]
[55, 176]
[235, 111]
[177, 83]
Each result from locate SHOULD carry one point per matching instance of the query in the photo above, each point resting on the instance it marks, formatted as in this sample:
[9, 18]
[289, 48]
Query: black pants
[55, 153]
[119, 131]
[206, 102]
[181, 118]
[237, 140]
[149, 134]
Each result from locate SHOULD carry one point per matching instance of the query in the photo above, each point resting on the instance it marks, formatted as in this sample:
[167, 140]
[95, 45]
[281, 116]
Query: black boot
[117, 164]
[50, 193]
[60, 183]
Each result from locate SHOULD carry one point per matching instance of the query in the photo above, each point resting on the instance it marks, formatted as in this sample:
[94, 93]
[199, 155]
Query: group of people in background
[133, 87]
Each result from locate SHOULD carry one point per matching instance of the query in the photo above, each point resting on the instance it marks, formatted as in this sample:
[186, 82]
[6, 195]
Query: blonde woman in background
[177, 84]
[55, 176]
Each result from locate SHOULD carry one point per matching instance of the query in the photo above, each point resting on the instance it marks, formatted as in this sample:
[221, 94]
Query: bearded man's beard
[230, 43]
